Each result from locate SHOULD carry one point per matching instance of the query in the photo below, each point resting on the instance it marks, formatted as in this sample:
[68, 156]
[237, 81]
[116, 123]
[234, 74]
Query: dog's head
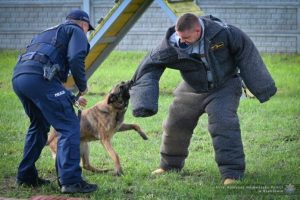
[119, 95]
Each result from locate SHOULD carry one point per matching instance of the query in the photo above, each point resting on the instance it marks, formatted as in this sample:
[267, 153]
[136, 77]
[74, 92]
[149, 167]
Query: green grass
[270, 134]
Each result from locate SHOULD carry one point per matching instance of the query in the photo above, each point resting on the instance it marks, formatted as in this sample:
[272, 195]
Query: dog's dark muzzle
[124, 89]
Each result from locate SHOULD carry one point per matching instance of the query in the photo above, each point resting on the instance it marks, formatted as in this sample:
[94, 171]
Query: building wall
[20, 20]
[273, 25]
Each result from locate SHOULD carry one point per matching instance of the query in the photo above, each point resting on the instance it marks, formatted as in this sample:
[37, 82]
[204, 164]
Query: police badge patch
[218, 45]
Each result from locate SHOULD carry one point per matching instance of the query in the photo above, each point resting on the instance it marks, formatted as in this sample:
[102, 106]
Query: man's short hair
[186, 22]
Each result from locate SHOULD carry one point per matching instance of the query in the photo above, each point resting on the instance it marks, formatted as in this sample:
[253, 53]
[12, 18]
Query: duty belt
[34, 56]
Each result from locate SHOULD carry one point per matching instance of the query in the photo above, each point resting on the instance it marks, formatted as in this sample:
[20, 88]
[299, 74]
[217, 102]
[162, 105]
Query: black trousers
[221, 106]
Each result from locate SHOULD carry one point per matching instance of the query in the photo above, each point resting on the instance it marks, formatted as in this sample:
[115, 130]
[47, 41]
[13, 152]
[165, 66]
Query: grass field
[270, 134]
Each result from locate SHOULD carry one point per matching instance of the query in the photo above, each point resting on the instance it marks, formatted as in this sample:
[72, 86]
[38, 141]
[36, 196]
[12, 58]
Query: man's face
[85, 26]
[189, 36]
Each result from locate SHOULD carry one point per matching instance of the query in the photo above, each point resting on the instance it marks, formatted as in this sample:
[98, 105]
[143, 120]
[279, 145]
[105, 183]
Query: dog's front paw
[118, 172]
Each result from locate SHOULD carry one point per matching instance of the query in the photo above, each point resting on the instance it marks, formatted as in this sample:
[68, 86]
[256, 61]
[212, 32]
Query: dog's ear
[112, 98]
[121, 87]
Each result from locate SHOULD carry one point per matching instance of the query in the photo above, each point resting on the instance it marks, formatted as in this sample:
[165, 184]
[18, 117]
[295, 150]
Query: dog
[101, 122]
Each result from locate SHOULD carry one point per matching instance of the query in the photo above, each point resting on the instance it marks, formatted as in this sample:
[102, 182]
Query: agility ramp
[114, 26]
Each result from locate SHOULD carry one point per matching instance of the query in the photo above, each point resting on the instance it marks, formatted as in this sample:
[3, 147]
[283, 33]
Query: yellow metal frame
[185, 6]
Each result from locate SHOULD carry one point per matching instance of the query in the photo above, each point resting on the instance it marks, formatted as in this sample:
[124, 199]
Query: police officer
[37, 81]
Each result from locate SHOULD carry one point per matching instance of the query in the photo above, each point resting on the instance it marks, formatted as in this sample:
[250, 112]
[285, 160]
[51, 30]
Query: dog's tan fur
[101, 122]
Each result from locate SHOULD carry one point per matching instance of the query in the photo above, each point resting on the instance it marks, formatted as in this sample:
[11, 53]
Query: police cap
[80, 15]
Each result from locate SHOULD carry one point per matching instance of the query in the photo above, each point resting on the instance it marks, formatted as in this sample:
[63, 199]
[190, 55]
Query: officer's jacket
[227, 50]
[66, 45]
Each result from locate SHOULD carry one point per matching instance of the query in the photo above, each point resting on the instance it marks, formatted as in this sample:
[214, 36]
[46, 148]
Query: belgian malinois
[101, 122]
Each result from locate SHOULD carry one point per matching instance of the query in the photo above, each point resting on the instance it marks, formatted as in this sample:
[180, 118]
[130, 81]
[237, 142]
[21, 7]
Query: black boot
[81, 187]
[33, 183]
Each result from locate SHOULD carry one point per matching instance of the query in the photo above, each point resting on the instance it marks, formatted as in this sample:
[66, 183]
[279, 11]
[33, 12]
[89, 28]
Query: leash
[78, 106]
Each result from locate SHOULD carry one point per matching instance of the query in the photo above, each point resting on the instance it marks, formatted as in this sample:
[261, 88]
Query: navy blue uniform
[47, 102]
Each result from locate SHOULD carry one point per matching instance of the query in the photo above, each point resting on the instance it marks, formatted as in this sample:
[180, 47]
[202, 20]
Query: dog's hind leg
[137, 128]
[52, 142]
[84, 153]
[114, 156]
